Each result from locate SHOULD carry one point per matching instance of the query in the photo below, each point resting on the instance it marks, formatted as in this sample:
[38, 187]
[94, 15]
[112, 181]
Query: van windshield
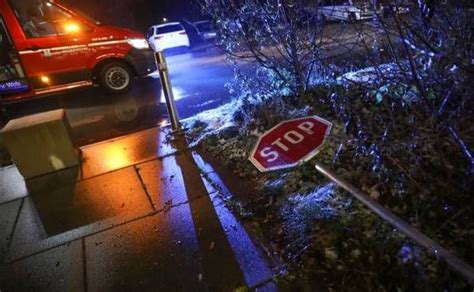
[11, 75]
[39, 17]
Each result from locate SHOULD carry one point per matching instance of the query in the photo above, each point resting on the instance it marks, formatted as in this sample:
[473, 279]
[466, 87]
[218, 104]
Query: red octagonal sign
[290, 143]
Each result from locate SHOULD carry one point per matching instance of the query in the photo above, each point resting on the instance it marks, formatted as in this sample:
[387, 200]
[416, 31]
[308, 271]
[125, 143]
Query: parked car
[205, 30]
[344, 10]
[350, 11]
[168, 36]
[49, 47]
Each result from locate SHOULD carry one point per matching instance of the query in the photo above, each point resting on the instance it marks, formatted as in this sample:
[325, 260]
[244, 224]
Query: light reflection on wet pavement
[198, 80]
[126, 221]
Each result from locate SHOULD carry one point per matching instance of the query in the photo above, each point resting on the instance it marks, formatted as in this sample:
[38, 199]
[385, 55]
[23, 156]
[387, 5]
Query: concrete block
[40, 144]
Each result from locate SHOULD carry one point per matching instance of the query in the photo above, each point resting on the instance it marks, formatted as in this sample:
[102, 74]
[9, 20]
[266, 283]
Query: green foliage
[405, 138]
[389, 152]
[242, 289]
[271, 35]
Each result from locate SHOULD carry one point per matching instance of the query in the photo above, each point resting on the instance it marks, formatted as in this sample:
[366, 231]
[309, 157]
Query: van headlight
[140, 44]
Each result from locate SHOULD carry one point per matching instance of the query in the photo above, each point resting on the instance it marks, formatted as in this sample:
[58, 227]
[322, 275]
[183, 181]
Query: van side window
[39, 18]
[6, 68]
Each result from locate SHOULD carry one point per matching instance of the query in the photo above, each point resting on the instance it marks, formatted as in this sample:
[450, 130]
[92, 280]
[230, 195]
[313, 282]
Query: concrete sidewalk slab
[50, 218]
[221, 269]
[8, 215]
[158, 253]
[153, 224]
[126, 151]
[59, 269]
[163, 182]
[52, 181]
[12, 184]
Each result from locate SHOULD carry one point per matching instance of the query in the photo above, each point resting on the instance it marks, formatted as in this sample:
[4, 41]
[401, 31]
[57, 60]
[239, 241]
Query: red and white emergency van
[47, 47]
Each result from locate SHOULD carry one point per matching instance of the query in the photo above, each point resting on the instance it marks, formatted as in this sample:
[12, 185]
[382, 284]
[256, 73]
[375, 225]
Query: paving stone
[8, 214]
[122, 152]
[221, 268]
[159, 253]
[71, 211]
[194, 244]
[55, 180]
[59, 269]
[164, 182]
[12, 184]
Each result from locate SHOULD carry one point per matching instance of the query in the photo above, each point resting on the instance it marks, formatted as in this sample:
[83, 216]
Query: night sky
[137, 14]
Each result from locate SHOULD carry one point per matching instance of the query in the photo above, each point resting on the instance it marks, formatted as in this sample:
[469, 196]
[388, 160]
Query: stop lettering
[290, 143]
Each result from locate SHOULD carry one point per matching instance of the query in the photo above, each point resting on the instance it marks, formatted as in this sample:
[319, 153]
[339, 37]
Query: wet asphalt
[198, 79]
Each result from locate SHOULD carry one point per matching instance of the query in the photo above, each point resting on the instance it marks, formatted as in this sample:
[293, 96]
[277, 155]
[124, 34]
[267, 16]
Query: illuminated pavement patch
[163, 182]
[125, 151]
[151, 226]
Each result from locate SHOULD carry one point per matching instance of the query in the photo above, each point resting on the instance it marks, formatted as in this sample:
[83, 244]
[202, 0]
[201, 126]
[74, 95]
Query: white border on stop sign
[306, 158]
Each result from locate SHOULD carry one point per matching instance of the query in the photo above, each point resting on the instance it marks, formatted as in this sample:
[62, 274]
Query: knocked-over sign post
[294, 142]
[290, 143]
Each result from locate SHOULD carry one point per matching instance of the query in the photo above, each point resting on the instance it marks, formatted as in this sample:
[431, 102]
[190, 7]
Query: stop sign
[290, 143]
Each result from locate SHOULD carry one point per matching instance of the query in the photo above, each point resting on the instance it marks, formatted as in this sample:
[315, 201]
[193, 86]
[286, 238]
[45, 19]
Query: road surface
[198, 78]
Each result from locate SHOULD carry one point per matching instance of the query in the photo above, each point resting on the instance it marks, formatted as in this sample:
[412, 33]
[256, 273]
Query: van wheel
[115, 77]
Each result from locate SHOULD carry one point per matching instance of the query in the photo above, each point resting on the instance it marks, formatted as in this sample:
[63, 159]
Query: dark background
[137, 14]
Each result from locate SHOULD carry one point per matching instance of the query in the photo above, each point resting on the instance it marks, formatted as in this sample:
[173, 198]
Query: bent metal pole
[454, 262]
[168, 91]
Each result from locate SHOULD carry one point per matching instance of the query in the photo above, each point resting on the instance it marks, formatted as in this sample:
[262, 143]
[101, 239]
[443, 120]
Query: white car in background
[346, 10]
[167, 36]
